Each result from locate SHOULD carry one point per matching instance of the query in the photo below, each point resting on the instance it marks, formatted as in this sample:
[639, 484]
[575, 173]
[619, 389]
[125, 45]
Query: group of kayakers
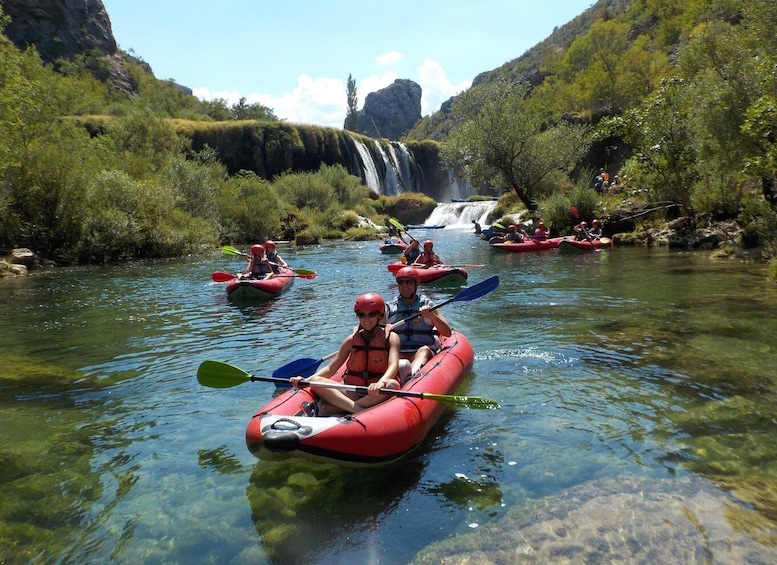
[389, 346]
[516, 233]
[264, 262]
[415, 256]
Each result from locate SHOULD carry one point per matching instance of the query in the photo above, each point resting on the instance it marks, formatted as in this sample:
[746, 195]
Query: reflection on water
[637, 390]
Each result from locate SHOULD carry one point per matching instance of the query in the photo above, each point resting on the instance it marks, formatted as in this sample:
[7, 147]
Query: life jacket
[412, 254]
[368, 360]
[428, 258]
[272, 257]
[416, 332]
[258, 268]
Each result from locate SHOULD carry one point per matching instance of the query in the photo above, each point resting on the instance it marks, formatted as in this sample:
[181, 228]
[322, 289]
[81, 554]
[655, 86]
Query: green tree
[500, 141]
[256, 111]
[353, 101]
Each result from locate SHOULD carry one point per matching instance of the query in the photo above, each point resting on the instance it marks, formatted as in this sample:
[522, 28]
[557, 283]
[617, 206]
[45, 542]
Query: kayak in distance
[260, 289]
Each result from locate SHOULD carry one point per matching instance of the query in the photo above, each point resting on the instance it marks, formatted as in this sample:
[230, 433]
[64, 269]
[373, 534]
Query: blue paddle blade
[304, 367]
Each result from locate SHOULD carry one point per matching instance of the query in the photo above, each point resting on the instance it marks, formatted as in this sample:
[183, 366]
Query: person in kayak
[412, 251]
[276, 261]
[596, 230]
[428, 258]
[258, 265]
[541, 233]
[419, 338]
[581, 232]
[371, 357]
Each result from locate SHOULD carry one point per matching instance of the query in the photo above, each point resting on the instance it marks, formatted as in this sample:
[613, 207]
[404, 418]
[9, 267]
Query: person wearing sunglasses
[371, 357]
[419, 338]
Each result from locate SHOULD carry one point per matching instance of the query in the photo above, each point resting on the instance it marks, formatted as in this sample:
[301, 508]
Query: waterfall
[391, 182]
[368, 168]
[461, 214]
[390, 168]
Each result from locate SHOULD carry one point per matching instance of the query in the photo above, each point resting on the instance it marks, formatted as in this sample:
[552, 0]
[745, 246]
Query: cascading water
[390, 168]
[369, 170]
[460, 214]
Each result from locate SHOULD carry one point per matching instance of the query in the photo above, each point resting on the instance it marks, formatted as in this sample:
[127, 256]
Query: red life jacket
[368, 360]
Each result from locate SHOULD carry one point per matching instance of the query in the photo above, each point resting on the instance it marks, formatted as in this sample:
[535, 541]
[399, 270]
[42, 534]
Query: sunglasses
[367, 314]
[405, 281]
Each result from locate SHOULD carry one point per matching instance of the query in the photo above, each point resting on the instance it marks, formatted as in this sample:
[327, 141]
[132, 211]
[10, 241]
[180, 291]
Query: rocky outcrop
[390, 112]
[60, 29]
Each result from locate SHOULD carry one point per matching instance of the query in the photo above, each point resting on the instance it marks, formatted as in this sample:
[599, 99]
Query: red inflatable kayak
[582, 246]
[438, 275]
[529, 245]
[378, 435]
[393, 247]
[262, 289]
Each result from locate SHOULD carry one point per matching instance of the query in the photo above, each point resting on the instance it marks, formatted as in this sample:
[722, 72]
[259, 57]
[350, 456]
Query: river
[637, 390]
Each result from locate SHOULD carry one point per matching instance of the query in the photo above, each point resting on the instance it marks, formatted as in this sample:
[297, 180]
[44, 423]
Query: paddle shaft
[476, 402]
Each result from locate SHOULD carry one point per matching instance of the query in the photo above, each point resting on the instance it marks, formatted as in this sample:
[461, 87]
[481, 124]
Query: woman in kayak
[371, 357]
[428, 258]
[258, 265]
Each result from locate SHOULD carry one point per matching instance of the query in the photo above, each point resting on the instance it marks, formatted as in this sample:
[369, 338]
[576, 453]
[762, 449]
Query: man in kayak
[412, 252]
[276, 261]
[428, 258]
[371, 355]
[419, 336]
[581, 232]
[596, 230]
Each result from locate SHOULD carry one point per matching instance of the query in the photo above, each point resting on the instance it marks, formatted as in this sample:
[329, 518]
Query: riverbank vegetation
[678, 99]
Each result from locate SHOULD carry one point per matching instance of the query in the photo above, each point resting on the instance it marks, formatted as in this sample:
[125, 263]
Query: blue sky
[295, 56]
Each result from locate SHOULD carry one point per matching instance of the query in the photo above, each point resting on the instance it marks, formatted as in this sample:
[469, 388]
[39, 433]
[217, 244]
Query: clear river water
[637, 420]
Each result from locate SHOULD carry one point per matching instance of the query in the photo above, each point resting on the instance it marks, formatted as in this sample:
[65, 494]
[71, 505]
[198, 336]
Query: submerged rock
[623, 520]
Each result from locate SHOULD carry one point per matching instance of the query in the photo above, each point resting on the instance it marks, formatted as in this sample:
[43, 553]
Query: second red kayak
[438, 275]
[584, 245]
[530, 245]
[260, 289]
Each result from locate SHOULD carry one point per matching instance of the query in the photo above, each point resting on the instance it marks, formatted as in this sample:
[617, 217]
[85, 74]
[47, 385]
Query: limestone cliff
[390, 112]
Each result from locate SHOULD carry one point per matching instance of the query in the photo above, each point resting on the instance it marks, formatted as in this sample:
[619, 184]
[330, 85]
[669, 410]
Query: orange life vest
[368, 360]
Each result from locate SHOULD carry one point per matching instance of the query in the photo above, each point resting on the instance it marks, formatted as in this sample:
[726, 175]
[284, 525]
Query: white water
[371, 176]
[460, 214]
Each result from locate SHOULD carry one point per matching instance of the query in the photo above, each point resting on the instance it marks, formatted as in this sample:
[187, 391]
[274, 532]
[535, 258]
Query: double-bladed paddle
[302, 273]
[221, 276]
[309, 365]
[216, 374]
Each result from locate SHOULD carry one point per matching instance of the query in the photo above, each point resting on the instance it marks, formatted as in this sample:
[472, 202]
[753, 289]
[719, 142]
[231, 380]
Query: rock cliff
[390, 112]
[60, 29]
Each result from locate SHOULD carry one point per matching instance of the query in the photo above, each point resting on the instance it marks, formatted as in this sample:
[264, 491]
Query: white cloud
[322, 101]
[389, 59]
[435, 86]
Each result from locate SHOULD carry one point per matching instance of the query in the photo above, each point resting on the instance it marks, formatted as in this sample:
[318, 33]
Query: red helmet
[408, 273]
[370, 302]
[511, 228]
[541, 225]
[257, 250]
[583, 224]
[595, 222]
[269, 244]
[428, 244]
